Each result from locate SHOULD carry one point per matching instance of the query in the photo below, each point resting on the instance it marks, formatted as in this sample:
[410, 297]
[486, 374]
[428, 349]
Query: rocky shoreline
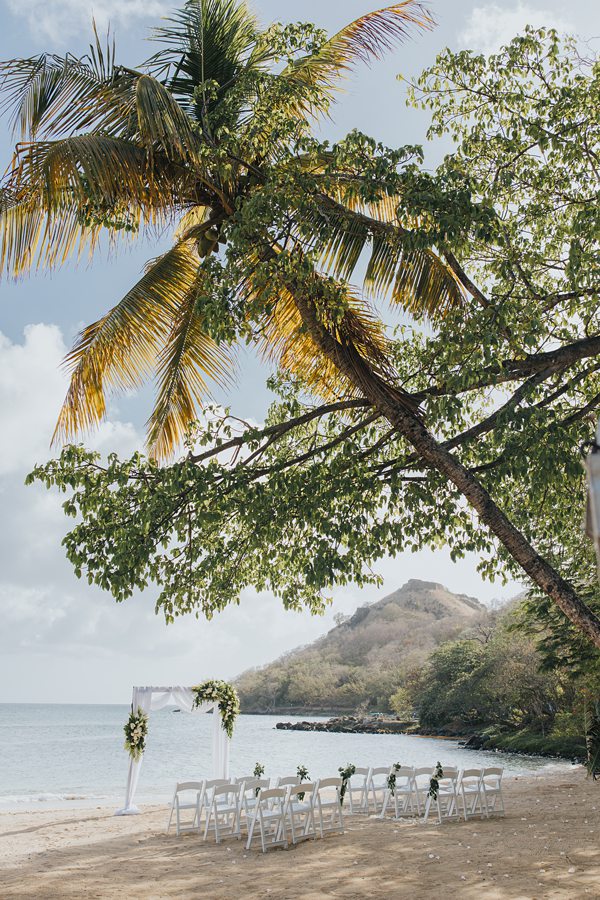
[353, 725]
[392, 725]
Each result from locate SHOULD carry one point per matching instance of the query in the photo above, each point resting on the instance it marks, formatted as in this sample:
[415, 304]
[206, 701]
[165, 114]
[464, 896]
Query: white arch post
[150, 699]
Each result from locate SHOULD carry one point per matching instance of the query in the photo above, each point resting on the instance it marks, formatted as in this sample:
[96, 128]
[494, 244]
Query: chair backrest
[271, 794]
[214, 783]
[450, 773]
[288, 779]
[361, 771]
[381, 770]
[404, 773]
[253, 785]
[307, 787]
[423, 771]
[244, 778]
[470, 774]
[325, 783]
[494, 774]
[227, 788]
[189, 786]
[247, 783]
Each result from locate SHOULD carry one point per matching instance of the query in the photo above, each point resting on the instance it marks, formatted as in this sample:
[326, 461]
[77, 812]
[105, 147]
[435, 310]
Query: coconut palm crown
[211, 139]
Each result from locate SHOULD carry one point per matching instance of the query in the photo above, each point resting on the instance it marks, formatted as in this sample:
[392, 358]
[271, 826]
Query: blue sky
[61, 640]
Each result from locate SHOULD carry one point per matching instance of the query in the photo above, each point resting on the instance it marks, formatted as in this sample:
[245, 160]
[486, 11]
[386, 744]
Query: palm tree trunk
[391, 404]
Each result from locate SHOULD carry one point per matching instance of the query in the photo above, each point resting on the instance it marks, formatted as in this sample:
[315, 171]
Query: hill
[361, 662]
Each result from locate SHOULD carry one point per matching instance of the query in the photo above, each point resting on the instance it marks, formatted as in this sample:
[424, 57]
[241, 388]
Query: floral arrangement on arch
[225, 696]
[136, 729]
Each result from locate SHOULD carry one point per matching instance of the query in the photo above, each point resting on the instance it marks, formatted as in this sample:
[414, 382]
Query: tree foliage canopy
[494, 256]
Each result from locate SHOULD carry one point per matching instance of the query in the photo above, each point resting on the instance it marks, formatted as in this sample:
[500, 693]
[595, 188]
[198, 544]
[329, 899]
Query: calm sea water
[52, 754]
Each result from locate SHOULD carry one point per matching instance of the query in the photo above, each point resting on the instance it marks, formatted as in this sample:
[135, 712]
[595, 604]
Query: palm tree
[208, 123]
[211, 137]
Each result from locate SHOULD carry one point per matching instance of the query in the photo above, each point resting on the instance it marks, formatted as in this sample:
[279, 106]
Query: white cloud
[491, 26]
[60, 19]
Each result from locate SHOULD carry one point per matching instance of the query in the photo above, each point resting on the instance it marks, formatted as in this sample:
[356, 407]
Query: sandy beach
[546, 847]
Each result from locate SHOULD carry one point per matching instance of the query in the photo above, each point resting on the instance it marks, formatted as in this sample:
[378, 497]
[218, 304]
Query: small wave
[9, 799]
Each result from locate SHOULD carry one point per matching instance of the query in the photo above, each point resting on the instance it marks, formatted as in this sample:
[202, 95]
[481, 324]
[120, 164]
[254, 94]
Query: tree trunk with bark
[393, 404]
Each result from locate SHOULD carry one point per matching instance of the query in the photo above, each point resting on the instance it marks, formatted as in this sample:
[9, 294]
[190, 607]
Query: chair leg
[385, 804]
[250, 832]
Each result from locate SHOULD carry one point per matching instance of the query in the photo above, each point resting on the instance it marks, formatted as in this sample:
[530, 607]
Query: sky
[61, 640]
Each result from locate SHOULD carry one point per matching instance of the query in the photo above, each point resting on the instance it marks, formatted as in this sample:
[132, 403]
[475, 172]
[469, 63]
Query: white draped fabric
[150, 699]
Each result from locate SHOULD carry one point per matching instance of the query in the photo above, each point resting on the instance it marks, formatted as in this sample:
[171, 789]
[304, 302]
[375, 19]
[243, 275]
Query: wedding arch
[217, 697]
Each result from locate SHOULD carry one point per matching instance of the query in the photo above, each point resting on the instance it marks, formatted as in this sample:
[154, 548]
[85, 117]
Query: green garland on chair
[434, 782]
[391, 779]
[346, 774]
[302, 773]
[225, 696]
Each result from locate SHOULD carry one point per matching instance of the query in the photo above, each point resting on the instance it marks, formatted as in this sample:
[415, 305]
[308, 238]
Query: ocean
[52, 755]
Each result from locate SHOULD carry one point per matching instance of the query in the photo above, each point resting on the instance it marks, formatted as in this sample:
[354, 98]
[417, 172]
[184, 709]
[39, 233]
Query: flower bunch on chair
[346, 774]
[434, 782]
[303, 775]
[136, 729]
[225, 696]
[391, 781]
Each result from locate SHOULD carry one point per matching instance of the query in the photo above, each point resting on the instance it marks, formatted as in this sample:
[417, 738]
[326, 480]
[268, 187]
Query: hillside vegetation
[361, 663]
[444, 662]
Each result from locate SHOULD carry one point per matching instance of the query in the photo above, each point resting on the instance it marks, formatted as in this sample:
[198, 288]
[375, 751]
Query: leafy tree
[481, 411]
[400, 703]
[451, 679]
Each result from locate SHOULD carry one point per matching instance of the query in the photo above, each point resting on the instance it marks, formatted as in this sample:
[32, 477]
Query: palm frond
[93, 166]
[163, 123]
[120, 350]
[54, 95]
[32, 236]
[62, 193]
[363, 40]
[208, 40]
[415, 279]
[376, 33]
[285, 342]
[187, 361]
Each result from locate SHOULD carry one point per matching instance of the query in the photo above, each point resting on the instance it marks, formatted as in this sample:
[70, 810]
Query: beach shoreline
[546, 846]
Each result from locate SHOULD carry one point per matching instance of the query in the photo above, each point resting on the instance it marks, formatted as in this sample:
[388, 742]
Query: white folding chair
[402, 794]
[194, 790]
[269, 816]
[250, 789]
[357, 791]
[300, 811]
[223, 813]
[491, 784]
[329, 806]
[378, 786]
[421, 782]
[446, 801]
[471, 792]
[209, 785]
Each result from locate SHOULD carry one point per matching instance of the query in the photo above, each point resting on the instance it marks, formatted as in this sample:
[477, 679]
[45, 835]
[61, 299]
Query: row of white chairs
[289, 812]
[474, 791]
